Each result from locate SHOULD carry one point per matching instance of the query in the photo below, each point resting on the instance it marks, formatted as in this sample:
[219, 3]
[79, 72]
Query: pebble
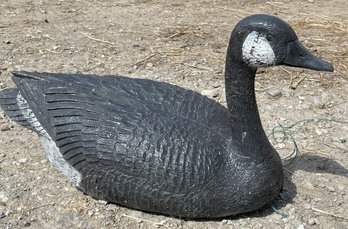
[341, 187]
[5, 128]
[307, 206]
[20, 161]
[317, 222]
[227, 221]
[321, 185]
[149, 65]
[132, 69]
[216, 84]
[281, 145]
[311, 222]
[331, 188]
[3, 198]
[308, 185]
[102, 202]
[210, 93]
[287, 92]
[274, 92]
[301, 227]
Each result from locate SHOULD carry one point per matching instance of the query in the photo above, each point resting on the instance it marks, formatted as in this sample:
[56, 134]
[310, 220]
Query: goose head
[264, 40]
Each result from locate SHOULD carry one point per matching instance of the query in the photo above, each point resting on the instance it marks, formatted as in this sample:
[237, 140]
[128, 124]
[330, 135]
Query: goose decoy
[157, 147]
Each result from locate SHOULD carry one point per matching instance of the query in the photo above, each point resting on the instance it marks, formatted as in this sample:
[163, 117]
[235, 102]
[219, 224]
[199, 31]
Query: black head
[267, 40]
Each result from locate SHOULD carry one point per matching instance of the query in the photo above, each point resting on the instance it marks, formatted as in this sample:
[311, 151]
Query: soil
[183, 43]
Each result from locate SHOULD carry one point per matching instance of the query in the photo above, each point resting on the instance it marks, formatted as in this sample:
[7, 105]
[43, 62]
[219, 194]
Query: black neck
[241, 100]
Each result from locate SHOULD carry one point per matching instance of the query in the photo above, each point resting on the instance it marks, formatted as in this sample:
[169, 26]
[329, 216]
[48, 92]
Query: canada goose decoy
[160, 148]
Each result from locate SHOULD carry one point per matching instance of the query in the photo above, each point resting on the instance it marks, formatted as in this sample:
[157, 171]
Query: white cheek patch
[257, 51]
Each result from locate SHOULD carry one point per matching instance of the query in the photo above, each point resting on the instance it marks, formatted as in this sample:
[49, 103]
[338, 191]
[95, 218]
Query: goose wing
[116, 126]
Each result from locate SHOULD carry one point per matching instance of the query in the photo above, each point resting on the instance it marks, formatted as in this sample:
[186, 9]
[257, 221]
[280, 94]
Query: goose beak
[298, 56]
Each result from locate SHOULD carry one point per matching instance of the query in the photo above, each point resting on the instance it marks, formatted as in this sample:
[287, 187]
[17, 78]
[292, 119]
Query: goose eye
[269, 37]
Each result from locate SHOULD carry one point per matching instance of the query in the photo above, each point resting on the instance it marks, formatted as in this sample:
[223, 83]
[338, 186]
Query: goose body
[160, 148]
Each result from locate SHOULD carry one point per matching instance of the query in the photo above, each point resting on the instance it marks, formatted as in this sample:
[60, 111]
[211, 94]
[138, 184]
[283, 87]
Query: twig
[96, 39]
[335, 146]
[298, 83]
[40, 206]
[176, 34]
[285, 70]
[148, 221]
[145, 59]
[197, 67]
[328, 213]
[291, 81]
[93, 67]
[235, 10]
[51, 51]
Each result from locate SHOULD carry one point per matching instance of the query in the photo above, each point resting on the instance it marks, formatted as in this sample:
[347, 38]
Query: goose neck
[240, 96]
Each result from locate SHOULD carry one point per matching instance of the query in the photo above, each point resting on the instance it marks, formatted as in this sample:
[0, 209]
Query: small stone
[307, 206]
[130, 70]
[341, 187]
[317, 222]
[3, 198]
[102, 202]
[27, 224]
[216, 84]
[331, 188]
[90, 213]
[287, 92]
[210, 93]
[274, 92]
[301, 227]
[149, 65]
[5, 128]
[308, 185]
[311, 222]
[321, 185]
[227, 221]
[281, 145]
[20, 161]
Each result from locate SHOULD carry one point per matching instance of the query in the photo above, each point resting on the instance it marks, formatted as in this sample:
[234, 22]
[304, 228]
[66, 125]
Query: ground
[183, 43]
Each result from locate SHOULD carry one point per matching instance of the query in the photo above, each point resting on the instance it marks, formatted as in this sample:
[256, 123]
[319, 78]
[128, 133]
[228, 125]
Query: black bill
[298, 56]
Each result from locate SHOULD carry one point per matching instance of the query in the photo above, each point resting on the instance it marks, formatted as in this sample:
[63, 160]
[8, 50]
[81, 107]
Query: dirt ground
[184, 43]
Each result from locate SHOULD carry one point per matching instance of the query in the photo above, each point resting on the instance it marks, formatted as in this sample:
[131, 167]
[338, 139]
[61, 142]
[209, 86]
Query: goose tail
[13, 106]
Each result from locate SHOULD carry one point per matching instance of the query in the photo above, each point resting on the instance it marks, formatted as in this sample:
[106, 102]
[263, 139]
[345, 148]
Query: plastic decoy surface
[158, 147]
